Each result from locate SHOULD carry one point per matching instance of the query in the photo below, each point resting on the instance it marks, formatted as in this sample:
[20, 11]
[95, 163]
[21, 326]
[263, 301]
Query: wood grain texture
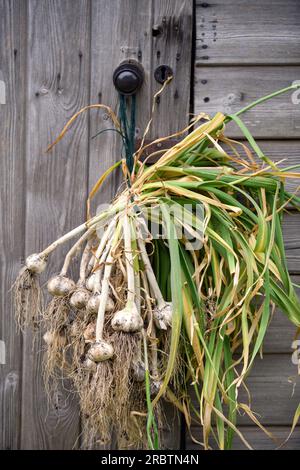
[256, 32]
[120, 39]
[12, 64]
[233, 35]
[275, 391]
[116, 35]
[228, 89]
[57, 56]
[256, 438]
[58, 77]
[281, 332]
[291, 231]
[287, 151]
[172, 46]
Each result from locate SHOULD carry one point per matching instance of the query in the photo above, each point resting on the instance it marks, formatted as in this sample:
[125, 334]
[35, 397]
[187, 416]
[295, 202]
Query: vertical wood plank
[120, 31]
[118, 34]
[239, 76]
[12, 108]
[172, 45]
[58, 78]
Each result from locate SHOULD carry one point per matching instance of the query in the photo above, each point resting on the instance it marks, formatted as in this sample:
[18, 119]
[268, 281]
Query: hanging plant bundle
[152, 315]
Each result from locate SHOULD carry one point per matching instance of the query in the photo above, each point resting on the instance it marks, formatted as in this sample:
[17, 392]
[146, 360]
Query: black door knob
[128, 77]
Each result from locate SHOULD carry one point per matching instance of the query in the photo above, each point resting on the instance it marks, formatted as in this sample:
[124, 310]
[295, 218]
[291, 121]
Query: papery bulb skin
[163, 316]
[127, 320]
[138, 371]
[100, 351]
[59, 286]
[155, 387]
[80, 298]
[90, 282]
[90, 365]
[94, 302]
[36, 263]
[89, 333]
[51, 337]
[48, 337]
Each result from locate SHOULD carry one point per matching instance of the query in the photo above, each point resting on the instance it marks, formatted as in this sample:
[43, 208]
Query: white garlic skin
[138, 371]
[90, 282]
[60, 286]
[94, 302]
[80, 298]
[90, 332]
[35, 263]
[163, 316]
[100, 351]
[50, 337]
[155, 387]
[127, 320]
[75, 329]
[89, 364]
[110, 305]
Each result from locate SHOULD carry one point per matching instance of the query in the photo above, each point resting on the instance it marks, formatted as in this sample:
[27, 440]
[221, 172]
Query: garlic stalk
[105, 285]
[94, 301]
[104, 294]
[92, 223]
[61, 285]
[72, 252]
[80, 297]
[151, 333]
[129, 319]
[103, 246]
[101, 350]
[162, 314]
[84, 261]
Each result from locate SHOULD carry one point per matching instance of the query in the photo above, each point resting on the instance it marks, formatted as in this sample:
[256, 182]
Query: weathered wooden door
[56, 56]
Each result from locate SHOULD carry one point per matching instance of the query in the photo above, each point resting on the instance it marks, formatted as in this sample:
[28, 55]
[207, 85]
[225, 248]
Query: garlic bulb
[163, 316]
[60, 286]
[138, 371]
[94, 302]
[89, 333]
[36, 263]
[89, 364]
[128, 320]
[90, 282]
[100, 351]
[80, 298]
[155, 386]
[50, 337]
